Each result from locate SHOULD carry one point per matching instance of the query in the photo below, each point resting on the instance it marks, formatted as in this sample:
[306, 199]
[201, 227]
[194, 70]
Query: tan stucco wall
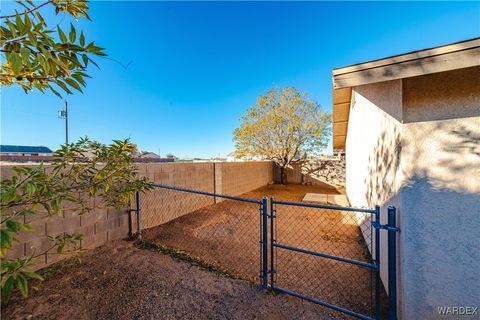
[415, 144]
[374, 131]
[373, 138]
[441, 96]
[440, 159]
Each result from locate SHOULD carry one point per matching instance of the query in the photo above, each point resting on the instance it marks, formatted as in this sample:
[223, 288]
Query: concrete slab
[315, 197]
[338, 199]
[333, 199]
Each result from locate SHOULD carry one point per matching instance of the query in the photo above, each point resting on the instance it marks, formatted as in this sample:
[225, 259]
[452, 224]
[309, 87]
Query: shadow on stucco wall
[469, 141]
[448, 154]
[441, 248]
[384, 164]
[430, 171]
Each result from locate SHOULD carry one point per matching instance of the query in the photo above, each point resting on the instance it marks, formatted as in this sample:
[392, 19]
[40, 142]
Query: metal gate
[330, 255]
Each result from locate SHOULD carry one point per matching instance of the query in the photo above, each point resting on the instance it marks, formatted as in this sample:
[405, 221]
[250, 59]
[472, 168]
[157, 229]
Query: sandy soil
[227, 235]
[120, 281]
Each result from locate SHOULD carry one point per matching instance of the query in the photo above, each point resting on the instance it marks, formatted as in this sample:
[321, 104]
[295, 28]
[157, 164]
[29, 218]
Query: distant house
[213, 159]
[231, 157]
[12, 150]
[410, 128]
[148, 155]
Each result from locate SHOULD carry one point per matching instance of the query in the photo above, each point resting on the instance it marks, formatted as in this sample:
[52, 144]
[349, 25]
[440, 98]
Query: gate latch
[385, 227]
[388, 228]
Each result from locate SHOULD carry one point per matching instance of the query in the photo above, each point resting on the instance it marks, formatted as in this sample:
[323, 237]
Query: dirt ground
[227, 235]
[120, 281]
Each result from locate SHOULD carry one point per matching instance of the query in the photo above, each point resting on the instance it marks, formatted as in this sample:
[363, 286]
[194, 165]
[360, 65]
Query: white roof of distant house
[149, 155]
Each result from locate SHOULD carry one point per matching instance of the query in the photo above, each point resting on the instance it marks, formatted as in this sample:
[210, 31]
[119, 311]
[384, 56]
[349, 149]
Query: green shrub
[79, 172]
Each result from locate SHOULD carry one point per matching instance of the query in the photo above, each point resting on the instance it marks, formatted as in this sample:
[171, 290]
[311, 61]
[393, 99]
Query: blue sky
[196, 67]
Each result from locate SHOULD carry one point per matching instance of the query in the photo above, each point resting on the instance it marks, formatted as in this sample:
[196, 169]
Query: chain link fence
[221, 232]
[314, 252]
[324, 254]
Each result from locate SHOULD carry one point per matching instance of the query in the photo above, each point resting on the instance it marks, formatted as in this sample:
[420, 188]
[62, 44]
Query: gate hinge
[272, 214]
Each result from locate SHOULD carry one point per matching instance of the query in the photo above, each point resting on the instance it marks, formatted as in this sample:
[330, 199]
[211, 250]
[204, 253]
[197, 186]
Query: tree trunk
[283, 175]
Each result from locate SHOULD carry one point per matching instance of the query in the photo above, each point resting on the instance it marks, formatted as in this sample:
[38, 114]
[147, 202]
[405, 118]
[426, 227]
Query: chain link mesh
[222, 233]
[226, 234]
[337, 233]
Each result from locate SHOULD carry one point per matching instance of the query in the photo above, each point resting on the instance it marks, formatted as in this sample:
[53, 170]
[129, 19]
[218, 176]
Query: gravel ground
[121, 281]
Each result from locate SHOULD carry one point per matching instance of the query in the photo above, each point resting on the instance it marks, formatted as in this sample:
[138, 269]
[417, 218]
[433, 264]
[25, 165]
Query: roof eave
[445, 58]
[453, 56]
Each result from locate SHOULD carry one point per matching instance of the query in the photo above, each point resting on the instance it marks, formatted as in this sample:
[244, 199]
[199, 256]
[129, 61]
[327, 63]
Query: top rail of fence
[162, 186]
[321, 206]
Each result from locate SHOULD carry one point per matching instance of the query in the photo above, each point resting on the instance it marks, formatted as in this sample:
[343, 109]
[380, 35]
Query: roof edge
[427, 52]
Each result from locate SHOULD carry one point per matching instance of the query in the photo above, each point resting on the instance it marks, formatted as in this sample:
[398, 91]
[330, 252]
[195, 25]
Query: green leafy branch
[35, 56]
[79, 172]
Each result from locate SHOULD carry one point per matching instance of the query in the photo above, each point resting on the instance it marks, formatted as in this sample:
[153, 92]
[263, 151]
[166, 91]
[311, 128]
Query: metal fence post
[392, 264]
[137, 211]
[272, 241]
[130, 231]
[264, 242]
[214, 182]
[377, 262]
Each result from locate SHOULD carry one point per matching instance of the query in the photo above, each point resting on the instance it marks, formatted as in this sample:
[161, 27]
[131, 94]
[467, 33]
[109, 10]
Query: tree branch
[26, 12]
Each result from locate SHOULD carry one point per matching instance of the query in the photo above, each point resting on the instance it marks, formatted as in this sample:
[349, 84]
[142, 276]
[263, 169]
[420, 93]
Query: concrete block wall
[158, 206]
[97, 227]
[232, 178]
[241, 177]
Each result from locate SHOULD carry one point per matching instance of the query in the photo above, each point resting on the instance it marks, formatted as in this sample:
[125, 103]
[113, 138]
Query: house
[151, 157]
[231, 157]
[11, 150]
[410, 128]
[148, 155]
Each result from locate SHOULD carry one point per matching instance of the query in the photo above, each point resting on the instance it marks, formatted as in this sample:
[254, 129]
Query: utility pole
[63, 114]
[66, 122]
